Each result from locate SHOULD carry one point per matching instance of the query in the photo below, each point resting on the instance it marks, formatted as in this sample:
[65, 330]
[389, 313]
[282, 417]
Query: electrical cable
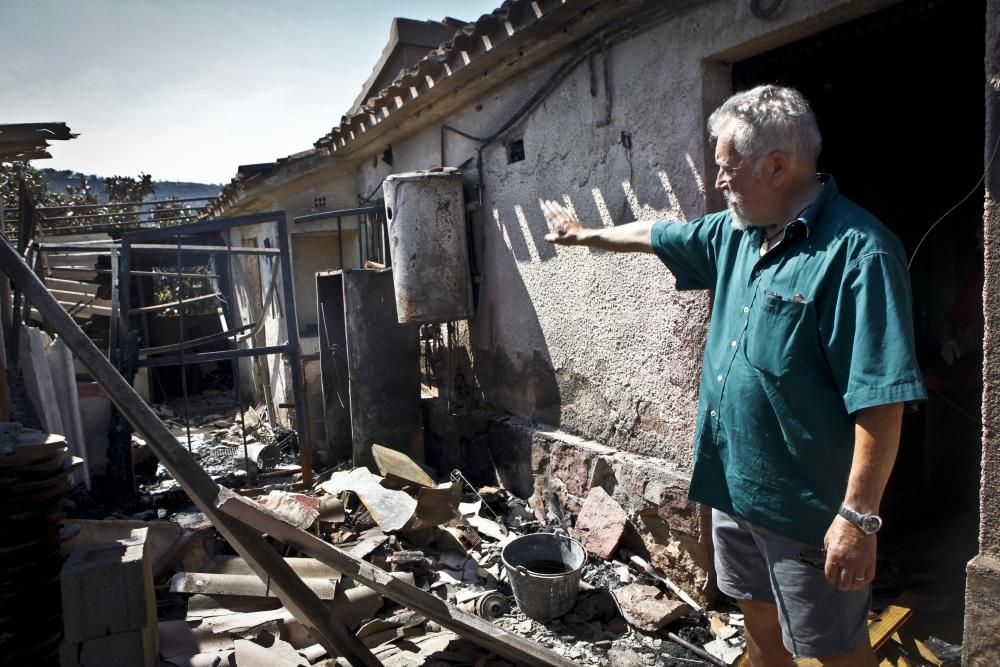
[961, 201]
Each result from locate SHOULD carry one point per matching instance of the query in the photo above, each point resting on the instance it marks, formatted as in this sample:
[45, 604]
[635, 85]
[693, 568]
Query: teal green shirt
[800, 340]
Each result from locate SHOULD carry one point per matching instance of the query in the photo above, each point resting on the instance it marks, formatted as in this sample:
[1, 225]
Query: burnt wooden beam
[496, 639]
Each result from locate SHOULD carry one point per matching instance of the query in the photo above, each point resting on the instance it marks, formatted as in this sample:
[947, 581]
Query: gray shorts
[817, 620]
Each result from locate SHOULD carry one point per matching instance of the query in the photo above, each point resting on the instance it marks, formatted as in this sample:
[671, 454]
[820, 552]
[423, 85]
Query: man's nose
[720, 180]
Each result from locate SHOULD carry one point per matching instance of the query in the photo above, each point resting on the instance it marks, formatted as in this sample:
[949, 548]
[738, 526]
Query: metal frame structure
[371, 218]
[139, 241]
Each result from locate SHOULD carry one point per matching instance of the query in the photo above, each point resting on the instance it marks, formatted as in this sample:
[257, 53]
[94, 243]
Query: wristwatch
[869, 523]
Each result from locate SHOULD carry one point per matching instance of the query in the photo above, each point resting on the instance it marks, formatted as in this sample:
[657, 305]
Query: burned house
[568, 379]
[578, 370]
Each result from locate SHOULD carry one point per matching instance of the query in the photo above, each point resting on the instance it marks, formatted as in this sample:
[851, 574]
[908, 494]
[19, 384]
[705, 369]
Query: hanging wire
[974, 189]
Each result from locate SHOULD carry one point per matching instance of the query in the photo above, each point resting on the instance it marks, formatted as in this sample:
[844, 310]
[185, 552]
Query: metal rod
[77, 207]
[162, 247]
[90, 216]
[694, 649]
[340, 242]
[194, 342]
[220, 355]
[206, 226]
[327, 215]
[231, 302]
[170, 304]
[146, 274]
[180, 339]
[293, 351]
[361, 252]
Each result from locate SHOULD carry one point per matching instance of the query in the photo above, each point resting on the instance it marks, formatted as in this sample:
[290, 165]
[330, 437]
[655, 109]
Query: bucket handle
[521, 570]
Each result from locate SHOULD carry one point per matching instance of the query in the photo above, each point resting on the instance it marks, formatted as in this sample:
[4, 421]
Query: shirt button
[732, 343]
[746, 309]
[719, 378]
[713, 413]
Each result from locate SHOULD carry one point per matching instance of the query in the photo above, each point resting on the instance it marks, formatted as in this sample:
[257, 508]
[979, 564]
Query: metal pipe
[704, 655]
[220, 355]
[159, 247]
[194, 342]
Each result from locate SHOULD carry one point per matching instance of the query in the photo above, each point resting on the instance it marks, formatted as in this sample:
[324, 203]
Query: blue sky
[187, 90]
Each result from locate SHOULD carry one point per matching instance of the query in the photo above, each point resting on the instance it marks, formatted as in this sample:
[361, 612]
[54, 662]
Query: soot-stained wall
[600, 344]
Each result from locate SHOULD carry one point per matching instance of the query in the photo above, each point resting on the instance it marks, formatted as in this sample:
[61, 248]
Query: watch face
[871, 524]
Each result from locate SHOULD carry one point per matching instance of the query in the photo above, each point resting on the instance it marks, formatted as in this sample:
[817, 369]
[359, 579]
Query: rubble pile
[446, 539]
[237, 449]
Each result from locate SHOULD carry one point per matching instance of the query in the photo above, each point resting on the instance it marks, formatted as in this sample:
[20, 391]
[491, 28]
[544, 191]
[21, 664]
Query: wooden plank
[72, 273]
[887, 623]
[79, 309]
[64, 381]
[79, 297]
[34, 366]
[75, 286]
[301, 602]
[880, 629]
[484, 633]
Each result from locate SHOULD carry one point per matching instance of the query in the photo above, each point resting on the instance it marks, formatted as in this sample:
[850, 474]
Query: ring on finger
[859, 579]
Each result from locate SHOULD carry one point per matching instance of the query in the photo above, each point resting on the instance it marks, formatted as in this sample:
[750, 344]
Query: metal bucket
[544, 571]
[425, 211]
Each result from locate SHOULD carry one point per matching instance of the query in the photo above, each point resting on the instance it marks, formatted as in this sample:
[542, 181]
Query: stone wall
[556, 470]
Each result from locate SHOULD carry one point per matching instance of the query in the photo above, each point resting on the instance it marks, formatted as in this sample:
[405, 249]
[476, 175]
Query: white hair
[769, 118]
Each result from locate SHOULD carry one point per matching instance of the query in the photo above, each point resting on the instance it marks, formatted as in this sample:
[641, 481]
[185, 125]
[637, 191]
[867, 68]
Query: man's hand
[850, 555]
[565, 228]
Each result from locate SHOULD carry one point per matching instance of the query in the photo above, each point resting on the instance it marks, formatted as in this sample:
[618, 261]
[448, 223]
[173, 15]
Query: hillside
[59, 179]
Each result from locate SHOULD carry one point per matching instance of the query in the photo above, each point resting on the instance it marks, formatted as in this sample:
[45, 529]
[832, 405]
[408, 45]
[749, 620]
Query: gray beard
[738, 221]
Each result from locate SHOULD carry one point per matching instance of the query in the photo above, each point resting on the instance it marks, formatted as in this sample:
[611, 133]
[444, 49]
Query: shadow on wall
[513, 366]
[526, 238]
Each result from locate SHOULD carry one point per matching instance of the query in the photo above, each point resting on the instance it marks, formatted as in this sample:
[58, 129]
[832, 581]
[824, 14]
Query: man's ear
[779, 165]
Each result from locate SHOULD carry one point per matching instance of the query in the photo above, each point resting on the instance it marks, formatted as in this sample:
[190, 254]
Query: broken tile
[392, 463]
[647, 607]
[723, 650]
[391, 509]
[298, 509]
[601, 524]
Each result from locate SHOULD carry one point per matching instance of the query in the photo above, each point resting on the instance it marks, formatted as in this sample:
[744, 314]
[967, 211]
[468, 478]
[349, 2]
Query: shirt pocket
[773, 335]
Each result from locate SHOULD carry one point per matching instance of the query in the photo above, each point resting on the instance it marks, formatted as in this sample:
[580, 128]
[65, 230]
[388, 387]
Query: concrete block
[982, 613]
[107, 588]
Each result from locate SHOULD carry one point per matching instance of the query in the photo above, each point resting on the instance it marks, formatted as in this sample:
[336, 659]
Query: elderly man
[808, 364]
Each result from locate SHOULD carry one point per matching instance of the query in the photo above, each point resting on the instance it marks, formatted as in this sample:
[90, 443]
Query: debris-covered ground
[447, 538]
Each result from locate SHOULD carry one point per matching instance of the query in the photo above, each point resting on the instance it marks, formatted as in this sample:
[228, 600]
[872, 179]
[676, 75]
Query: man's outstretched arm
[567, 230]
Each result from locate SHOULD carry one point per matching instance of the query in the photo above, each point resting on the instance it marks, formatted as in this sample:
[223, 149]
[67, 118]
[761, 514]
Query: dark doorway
[899, 96]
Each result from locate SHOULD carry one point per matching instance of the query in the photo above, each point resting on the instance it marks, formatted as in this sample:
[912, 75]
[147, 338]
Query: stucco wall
[602, 345]
[982, 613]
